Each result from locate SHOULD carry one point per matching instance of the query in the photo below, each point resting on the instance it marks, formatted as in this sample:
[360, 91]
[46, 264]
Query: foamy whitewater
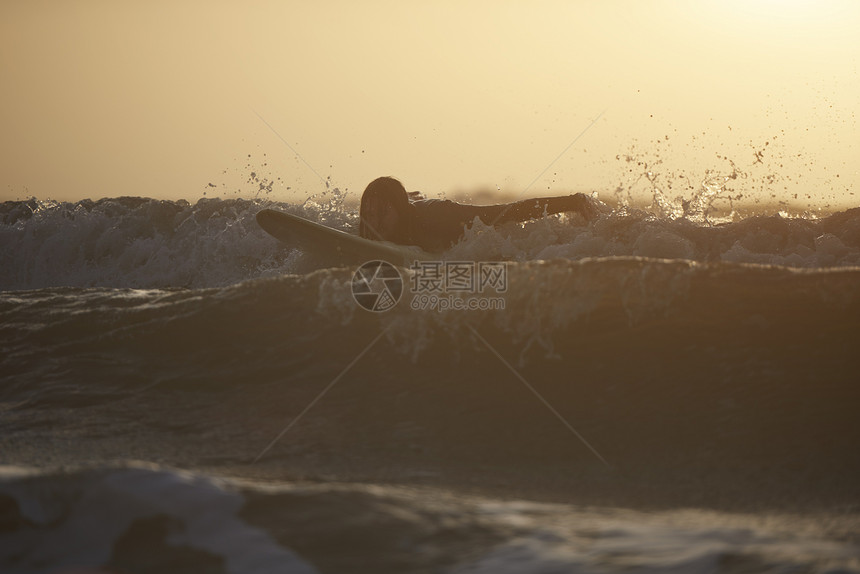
[144, 243]
[662, 390]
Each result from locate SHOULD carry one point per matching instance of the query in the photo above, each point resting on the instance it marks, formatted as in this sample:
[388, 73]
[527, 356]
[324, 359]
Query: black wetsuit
[437, 224]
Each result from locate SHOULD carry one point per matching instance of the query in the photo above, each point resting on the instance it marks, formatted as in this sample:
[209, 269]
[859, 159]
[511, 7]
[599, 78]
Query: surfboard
[331, 247]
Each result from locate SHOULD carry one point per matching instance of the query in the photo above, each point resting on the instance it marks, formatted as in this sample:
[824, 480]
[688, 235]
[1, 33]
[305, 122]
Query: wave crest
[133, 242]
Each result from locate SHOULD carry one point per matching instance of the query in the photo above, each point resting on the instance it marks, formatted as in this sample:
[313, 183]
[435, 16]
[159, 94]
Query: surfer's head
[384, 211]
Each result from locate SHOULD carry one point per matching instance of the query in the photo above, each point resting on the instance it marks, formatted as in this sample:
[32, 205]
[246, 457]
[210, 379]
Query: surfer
[389, 213]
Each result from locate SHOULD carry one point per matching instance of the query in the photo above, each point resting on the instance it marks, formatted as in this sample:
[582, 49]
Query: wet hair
[379, 192]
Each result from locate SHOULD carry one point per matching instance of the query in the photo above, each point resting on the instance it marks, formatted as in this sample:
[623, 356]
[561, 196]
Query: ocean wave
[136, 517]
[142, 243]
[546, 311]
[698, 383]
[145, 243]
[125, 518]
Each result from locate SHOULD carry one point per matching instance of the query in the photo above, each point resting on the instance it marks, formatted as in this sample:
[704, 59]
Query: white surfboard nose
[328, 247]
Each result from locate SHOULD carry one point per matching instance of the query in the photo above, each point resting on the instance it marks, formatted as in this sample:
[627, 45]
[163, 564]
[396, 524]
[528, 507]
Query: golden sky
[161, 99]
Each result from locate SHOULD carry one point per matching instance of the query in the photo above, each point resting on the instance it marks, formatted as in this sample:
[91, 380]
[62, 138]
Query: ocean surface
[660, 390]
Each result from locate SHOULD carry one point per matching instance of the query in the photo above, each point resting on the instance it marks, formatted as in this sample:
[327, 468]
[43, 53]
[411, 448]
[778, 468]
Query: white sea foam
[76, 520]
[144, 243]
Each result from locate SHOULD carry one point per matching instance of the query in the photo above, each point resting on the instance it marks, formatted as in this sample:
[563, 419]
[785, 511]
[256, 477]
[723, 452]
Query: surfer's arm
[527, 209]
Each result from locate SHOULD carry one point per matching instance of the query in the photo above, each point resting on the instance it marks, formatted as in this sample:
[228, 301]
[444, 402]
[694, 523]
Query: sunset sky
[162, 99]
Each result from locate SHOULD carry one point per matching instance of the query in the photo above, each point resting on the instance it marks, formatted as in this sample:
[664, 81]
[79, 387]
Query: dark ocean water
[650, 393]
